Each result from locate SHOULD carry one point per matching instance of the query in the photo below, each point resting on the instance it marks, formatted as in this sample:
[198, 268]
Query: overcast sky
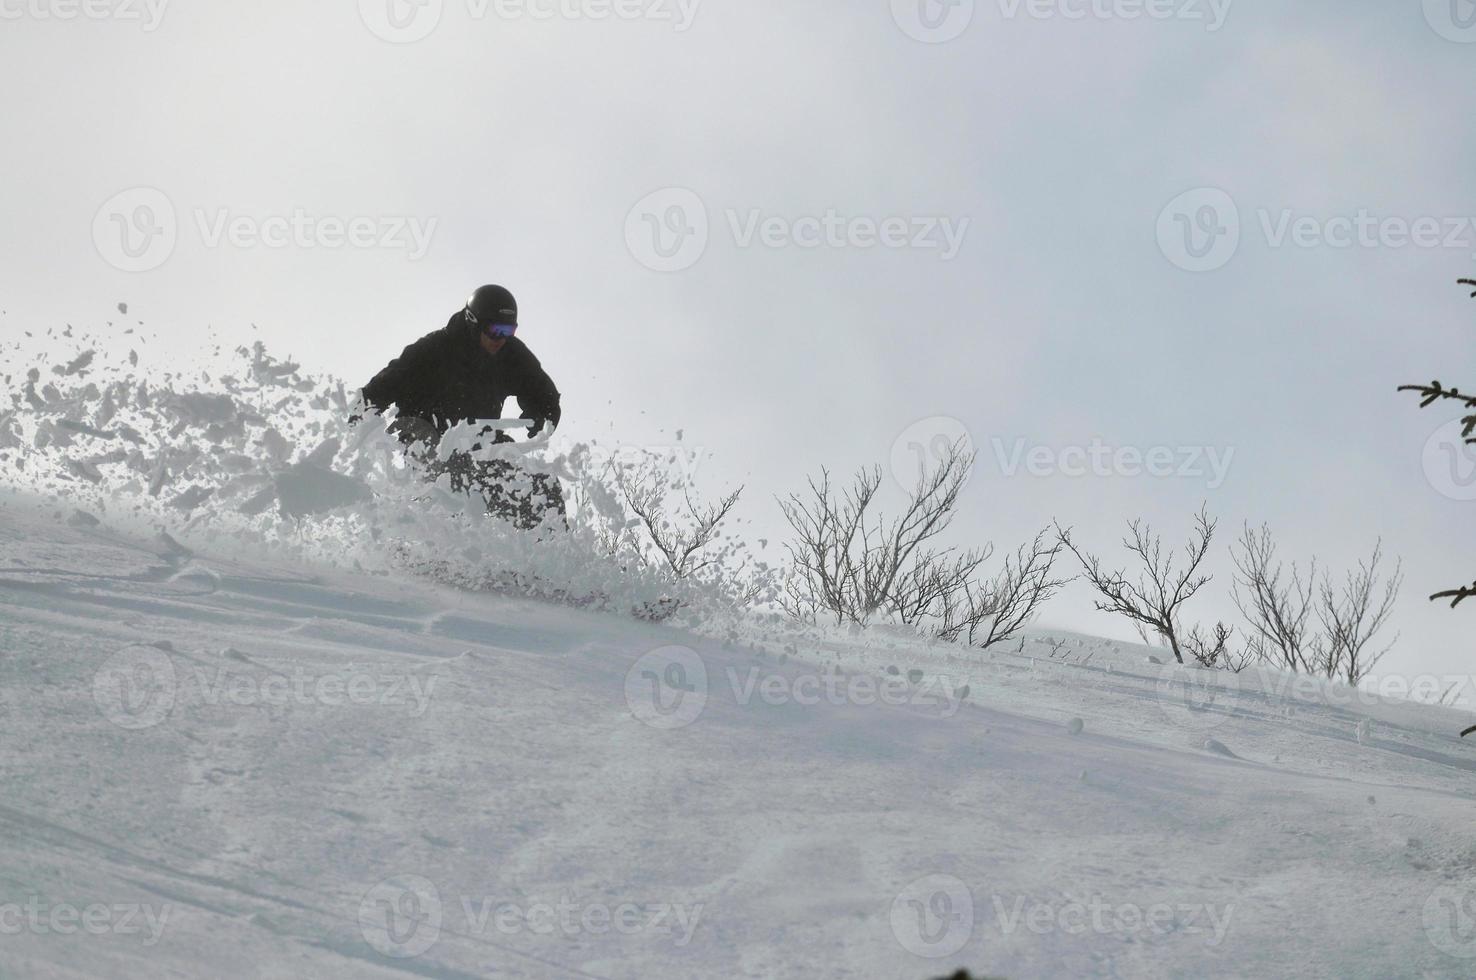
[1217, 237]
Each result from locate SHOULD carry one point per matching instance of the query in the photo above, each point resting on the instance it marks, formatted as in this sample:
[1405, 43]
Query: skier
[464, 372]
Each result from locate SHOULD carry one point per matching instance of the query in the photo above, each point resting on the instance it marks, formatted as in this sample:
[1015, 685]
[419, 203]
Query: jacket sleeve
[403, 382]
[537, 395]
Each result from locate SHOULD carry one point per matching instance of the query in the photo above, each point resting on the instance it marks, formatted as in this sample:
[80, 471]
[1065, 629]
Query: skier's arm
[402, 381]
[538, 397]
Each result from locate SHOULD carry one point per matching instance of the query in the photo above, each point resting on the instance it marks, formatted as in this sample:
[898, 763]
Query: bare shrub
[637, 510]
[1278, 606]
[998, 609]
[1354, 615]
[680, 535]
[1305, 624]
[1214, 651]
[850, 565]
[850, 562]
[1163, 586]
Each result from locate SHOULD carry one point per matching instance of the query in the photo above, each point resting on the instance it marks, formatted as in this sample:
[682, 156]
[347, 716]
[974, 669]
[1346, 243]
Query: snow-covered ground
[215, 766]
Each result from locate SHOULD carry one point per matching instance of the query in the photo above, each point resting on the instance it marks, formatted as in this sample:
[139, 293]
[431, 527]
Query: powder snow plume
[238, 446]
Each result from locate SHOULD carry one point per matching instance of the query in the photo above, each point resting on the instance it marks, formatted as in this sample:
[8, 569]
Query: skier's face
[493, 345]
[494, 338]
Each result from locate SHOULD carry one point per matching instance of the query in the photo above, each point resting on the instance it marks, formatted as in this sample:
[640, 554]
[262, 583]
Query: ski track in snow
[262, 828]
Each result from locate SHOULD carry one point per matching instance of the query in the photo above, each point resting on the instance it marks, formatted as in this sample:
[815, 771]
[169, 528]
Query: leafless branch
[1277, 608]
[1456, 596]
[680, 541]
[1014, 596]
[852, 563]
[1162, 589]
[1353, 616]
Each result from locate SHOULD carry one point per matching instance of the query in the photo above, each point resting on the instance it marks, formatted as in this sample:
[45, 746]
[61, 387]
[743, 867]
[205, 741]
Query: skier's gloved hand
[537, 426]
[413, 429]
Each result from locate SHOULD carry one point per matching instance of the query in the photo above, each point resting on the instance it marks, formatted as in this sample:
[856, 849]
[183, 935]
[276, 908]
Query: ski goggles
[500, 331]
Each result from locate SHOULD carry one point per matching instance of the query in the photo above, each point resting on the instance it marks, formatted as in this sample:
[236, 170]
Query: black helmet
[491, 305]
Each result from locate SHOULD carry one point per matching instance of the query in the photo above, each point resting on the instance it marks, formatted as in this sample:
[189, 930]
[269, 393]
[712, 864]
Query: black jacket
[445, 378]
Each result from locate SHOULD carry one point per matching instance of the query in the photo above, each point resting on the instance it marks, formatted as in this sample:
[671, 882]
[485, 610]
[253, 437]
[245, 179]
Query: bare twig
[1456, 596]
[678, 541]
[1161, 590]
[1352, 617]
[851, 564]
[1277, 609]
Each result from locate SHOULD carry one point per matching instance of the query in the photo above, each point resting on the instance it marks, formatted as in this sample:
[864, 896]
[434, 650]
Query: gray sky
[521, 140]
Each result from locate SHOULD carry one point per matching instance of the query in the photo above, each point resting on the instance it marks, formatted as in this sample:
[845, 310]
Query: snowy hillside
[225, 767]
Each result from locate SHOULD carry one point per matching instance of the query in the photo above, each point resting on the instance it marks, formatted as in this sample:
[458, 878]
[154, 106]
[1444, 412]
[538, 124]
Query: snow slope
[222, 767]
